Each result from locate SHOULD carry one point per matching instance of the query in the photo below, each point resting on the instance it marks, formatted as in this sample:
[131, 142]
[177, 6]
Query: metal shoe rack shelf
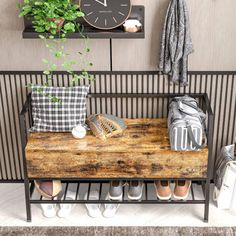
[196, 195]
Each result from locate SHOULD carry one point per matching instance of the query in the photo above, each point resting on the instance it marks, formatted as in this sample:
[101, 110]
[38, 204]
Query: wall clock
[105, 14]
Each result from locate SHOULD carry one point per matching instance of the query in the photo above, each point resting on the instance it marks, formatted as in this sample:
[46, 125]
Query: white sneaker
[49, 210]
[135, 190]
[110, 209]
[115, 190]
[93, 209]
[65, 209]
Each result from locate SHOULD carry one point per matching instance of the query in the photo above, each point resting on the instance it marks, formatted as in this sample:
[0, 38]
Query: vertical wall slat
[234, 112]
[5, 130]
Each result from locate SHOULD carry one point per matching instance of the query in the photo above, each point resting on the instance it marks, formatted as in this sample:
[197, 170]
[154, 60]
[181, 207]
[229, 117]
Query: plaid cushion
[49, 116]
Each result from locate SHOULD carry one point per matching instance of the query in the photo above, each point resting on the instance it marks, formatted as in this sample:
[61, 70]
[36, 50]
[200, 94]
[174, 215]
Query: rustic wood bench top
[143, 151]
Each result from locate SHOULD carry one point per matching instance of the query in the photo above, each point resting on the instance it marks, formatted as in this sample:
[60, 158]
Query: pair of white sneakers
[96, 210]
[51, 210]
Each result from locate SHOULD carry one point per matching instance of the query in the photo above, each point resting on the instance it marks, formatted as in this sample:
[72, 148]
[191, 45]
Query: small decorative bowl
[132, 26]
[79, 132]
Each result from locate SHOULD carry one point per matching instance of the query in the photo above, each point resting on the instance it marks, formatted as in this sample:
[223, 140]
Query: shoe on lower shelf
[115, 190]
[110, 209]
[48, 189]
[65, 209]
[163, 190]
[49, 210]
[181, 190]
[135, 190]
[93, 209]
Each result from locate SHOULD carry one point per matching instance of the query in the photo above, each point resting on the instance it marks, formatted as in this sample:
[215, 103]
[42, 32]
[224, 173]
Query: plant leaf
[45, 61]
[46, 72]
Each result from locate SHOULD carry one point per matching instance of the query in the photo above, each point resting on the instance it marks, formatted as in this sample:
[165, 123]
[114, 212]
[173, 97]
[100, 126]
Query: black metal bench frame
[205, 182]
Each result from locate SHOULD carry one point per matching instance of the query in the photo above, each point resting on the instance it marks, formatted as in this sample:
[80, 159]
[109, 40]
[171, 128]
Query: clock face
[105, 14]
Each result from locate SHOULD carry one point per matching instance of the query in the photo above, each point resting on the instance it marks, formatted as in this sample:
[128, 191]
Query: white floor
[12, 213]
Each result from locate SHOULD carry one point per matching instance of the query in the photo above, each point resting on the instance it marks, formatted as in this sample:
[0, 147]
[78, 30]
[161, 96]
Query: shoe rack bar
[123, 194]
[192, 192]
[77, 191]
[65, 192]
[100, 191]
[89, 187]
[104, 180]
[146, 192]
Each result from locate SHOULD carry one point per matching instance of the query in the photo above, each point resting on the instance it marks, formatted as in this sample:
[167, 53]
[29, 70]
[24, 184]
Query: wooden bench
[143, 151]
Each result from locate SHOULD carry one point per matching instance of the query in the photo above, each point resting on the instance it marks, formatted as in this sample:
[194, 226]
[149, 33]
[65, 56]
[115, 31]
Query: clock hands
[105, 14]
[104, 2]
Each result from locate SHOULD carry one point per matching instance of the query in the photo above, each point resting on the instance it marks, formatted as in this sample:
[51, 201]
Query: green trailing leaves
[69, 27]
[54, 19]
[42, 36]
[49, 15]
[46, 72]
[45, 61]
[58, 54]
[53, 67]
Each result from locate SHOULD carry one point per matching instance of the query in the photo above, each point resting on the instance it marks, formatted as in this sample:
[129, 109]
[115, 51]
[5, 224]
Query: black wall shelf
[138, 12]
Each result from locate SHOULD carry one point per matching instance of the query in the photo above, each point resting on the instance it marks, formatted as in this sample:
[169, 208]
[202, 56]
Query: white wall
[213, 26]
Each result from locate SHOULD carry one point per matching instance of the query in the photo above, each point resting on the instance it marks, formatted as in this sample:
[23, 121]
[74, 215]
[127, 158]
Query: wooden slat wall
[220, 86]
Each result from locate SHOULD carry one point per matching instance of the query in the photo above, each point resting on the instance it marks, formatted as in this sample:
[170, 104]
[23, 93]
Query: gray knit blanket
[176, 43]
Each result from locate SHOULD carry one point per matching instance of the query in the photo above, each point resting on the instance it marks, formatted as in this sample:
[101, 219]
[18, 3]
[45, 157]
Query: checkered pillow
[49, 116]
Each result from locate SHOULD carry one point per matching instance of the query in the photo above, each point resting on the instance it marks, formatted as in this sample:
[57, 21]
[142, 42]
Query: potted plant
[52, 15]
[54, 19]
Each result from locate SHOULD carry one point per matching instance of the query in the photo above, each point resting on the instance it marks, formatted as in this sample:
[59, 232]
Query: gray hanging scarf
[176, 43]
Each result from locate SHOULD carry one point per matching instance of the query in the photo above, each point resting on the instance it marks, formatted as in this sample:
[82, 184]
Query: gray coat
[176, 43]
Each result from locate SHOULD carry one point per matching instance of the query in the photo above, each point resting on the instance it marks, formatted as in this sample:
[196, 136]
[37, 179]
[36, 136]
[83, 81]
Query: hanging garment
[176, 43]
[225, 179]
[224, 159]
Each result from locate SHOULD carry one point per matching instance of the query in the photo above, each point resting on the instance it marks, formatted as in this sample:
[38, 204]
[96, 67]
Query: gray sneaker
[135, 190]
[116, 190]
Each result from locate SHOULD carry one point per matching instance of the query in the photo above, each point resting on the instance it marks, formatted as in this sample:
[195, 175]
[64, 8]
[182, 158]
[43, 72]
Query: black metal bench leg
[207, 200]
[27, 200]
